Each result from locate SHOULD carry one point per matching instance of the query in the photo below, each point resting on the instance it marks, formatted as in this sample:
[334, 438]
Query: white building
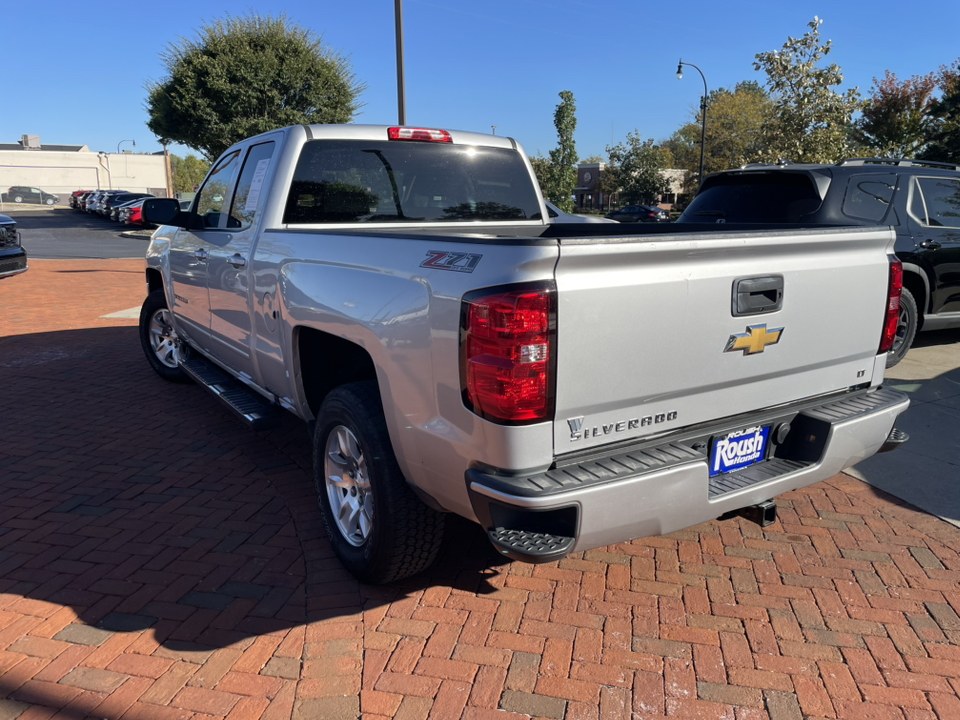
[61, 169]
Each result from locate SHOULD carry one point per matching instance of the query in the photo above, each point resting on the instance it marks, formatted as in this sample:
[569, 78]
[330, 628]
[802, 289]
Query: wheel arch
[325, 361]
[915, 280]
[154, 279]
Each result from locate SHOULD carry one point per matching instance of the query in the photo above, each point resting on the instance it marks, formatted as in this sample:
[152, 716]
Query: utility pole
[401, 102]
[494, 128]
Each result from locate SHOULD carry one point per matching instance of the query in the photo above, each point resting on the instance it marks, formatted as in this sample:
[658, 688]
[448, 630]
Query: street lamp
[122, 142]
[703, 113]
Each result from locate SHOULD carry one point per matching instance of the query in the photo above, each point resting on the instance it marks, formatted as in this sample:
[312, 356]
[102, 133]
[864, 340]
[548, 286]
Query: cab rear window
[385, 182]
[755, 197]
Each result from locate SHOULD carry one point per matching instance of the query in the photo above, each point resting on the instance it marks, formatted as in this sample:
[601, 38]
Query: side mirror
[164, 211]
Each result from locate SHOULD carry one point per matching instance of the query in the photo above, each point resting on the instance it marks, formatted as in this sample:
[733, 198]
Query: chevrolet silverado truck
[565, 385]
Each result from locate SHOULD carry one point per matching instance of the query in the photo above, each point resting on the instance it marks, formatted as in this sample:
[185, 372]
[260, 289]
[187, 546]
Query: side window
[247, 197]
[209, 201]
[868, 197]
[941, 200]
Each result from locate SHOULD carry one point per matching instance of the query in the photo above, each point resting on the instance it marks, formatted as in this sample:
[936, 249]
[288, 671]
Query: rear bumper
[657, 489]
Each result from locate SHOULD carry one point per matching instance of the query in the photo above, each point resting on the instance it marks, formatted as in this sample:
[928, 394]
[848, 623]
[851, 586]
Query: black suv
[920, 200]
[26, 193]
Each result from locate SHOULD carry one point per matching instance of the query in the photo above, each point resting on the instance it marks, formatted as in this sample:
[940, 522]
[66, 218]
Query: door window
[246, 199]
[210, 199]
[936, 202]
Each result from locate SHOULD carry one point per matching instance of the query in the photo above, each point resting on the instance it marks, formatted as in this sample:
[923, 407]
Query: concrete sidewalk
[925, 472]
[159, 561]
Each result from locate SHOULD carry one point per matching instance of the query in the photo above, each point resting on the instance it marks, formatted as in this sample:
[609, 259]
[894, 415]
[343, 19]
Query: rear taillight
[419, 134]
[508, 347]
[893, 305]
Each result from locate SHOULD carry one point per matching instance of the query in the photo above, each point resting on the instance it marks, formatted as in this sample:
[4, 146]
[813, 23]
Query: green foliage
[811, 118]
[636, 170]
[541, 168]
[735, 133]
[561, 172]
[944, 133]
[897, 120]
[187, 172]
[243, 76]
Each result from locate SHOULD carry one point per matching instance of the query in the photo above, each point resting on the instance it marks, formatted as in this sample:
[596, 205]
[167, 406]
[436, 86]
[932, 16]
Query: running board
[250, 407]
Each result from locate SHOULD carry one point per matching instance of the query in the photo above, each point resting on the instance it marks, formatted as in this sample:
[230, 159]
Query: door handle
[931, 245]
[201, 254]
[757, 295]
[237, 260]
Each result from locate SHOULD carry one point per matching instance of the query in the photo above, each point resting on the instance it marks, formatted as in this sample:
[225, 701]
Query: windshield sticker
[253, 197]
[454, 261]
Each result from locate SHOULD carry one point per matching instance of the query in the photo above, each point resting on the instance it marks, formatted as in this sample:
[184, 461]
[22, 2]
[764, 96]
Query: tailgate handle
[757, 295]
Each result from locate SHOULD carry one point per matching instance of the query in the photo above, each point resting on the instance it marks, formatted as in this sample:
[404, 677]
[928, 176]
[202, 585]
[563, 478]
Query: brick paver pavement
[158, 561]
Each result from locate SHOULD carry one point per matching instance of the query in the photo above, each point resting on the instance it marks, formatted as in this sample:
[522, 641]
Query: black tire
[906, 329]
[17, 199]
[403, 535]
[49, 201]
[160, 342]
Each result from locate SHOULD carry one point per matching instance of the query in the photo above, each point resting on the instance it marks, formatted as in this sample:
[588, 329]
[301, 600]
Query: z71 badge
[454, 261]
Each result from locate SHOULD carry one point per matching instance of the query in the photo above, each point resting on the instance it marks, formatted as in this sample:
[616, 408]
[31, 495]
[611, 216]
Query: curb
[137, 234]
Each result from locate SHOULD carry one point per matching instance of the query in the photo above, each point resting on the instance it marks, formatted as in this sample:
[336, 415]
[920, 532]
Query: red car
[75, 198]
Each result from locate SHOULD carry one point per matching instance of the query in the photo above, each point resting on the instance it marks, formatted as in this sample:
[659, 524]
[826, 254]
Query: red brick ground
[158, 561]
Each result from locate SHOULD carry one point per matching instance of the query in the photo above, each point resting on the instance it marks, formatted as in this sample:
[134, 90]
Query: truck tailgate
[648, 340]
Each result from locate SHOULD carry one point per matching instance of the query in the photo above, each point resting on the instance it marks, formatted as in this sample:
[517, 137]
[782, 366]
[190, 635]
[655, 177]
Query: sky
[81, 71]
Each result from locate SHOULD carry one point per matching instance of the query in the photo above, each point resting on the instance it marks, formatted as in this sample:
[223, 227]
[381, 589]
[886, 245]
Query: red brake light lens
[508, 346]
[893, 305]
[419, 134]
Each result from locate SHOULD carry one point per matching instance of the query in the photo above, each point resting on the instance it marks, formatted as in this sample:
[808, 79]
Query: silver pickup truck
[565, 385]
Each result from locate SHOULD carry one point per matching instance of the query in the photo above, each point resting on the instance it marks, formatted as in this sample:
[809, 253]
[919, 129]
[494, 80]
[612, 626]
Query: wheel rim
[903, 322]
[348, 486]
[166, 344]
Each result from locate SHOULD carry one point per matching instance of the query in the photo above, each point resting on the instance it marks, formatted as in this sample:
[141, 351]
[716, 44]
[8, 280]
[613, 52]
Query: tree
[541, 168]
[897, 119]
[735, 132]
[243, 76]
[562, 170]
[636, 168]
[187, 172]
[945, 129]
[811, 118]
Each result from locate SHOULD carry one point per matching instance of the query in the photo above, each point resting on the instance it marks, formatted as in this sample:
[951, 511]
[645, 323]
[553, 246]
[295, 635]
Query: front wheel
[378, 528]
[906, 328]
[165, 350]
[49, 201]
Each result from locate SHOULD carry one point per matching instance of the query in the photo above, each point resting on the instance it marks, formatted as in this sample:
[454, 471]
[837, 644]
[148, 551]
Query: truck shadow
[144, 508]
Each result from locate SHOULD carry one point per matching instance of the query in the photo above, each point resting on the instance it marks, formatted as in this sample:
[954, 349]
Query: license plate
[738, 450]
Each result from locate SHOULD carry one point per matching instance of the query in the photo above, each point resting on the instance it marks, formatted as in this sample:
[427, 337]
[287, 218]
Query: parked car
[13, 258]
[129, 213]
[120, 198]
[556, 215]
[639, 213]
[75, 197]
[28, 194]
[82, 199]
[920, 200]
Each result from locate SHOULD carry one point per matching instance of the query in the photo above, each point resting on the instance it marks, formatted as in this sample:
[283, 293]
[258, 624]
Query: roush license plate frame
[739, 449]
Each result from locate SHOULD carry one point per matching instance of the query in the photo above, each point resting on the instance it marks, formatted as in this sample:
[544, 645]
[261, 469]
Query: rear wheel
[18, 198]
[906, 328]
[165, 350]
[379, 529]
